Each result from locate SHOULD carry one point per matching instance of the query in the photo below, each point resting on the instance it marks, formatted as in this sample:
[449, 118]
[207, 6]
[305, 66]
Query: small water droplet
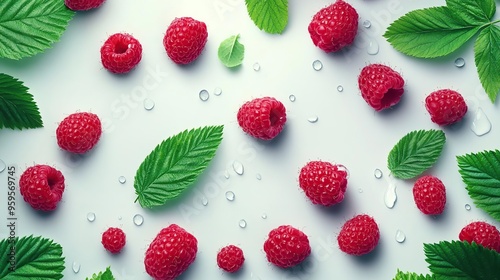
[258, 176]
[400, 236]
[119, 218]
[91, 216]
[204, 95]
[317, 65]
[242, 223]
[481, 125]
[360, 190]
[367, 24]
[238, 167]
[343, 168]
[148, 104]
[264, 216]
[2, 166]
[340, 88]
[467, 207]
[76, 267]
[390, 196]
[459, 62]
[378, 173]
[138, 219]
[313, 119]
[230, 195]
[256, 66]
[292, 98]
[217, 91]
[122, 179]
[373, 48]
[204, 201]
[226, 174]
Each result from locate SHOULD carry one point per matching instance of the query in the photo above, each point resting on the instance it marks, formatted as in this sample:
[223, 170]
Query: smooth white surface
[70, 78]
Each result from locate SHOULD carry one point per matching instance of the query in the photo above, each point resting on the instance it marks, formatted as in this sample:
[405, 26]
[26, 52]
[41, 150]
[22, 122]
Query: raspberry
[323, 182]
[185, 39]
[79, 132]
[359, 235]
[483, 234]
[445, 106]
[286, 246]
[83, 5]
[170, 253]
[42, 187]
[113, 240]
[334, 27]
[381, 87]
[262, 118]
[429, 194]
[121, 53]
[230, 258]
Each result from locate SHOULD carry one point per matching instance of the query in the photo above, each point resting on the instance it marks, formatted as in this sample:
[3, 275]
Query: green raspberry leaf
[481, 174]
[430, 32]
[30, 27]
[412, 276]
[462, 260]
[231, 51]
[106, 275]
[416, 152]
[175, 164]
[17, 108]
[473, 11]
[487, 57]
[270, 16]
[34, 258]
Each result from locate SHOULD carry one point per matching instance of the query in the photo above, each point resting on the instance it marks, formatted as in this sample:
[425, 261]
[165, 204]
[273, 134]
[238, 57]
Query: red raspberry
[79, 132]
[483, 234]
[170, 253]
[262, 118]
[42, 187]
[121, 53]
[429, 194]
[230, 258]
[445, 106]
[185, 39]
[113, 240]
[359, 235]
[323, 182]
[286, 246]
[334, 27]
[381, 87]
[83, 5]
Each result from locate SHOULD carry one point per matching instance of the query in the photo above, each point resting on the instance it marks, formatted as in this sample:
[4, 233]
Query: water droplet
[378, 173]
[390, 196]
[238, 167]
[242, 223]
[343, 168]
[264, 216]
[340, 88]
[256, 66]
[317, 65]
[122, 179]
[226, 174]
[119, 218]
[138, 219]
[360, 190]
[367, 24]
[2, 166]
[373, 48]
[230, 195]
[148, 104]
[204, 95]
[292, 98]
[400, 236]
[459, 62]
[258, 176]
[313, 119]
[481, 125]
[467, 207]
[217, 91]
[204, 201]
[76, 267]
[91, 216]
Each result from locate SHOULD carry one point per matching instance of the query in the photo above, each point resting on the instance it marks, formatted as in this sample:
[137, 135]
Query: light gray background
[69, 78]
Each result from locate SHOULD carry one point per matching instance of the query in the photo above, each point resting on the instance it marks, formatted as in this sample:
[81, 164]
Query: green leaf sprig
[231, 52]
[17, 108]
[102, 275]
[481, 174]
[175, 164]
[400, 275]
[416, 152]
[439, 31]
[270, 16]
[31, 27]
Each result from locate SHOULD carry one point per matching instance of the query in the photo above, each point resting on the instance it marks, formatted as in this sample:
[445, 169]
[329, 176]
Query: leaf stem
[491, 23]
